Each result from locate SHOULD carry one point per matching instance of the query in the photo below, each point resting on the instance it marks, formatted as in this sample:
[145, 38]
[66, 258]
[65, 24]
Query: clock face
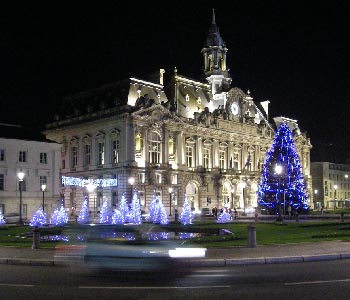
[234, 108]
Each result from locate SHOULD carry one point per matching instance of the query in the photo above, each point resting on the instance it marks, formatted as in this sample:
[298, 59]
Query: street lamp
[278, 170]
[335, 195]
[131, 181]
[171, 198]
[20, 176]
[43, 188]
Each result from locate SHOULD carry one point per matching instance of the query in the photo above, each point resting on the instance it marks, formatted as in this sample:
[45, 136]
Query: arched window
[207, 146]
[154, 147]
[115, 146]
[190, 153]
[74, 150]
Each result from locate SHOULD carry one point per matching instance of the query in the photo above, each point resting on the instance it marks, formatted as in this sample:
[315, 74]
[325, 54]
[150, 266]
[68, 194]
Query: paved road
[301, 252]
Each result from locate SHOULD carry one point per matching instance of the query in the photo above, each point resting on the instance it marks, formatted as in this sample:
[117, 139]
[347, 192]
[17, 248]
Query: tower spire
[214, 54]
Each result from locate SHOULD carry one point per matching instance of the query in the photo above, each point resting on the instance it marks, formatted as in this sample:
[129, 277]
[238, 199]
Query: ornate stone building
[207, 140]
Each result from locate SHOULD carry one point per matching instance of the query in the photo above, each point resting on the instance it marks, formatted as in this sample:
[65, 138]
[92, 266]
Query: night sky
[296, 57]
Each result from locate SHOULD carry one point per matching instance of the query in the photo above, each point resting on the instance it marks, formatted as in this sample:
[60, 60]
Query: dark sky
[295, 56]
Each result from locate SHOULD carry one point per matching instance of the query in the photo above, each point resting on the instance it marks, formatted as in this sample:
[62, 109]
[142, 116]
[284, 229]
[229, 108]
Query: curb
[266, 260]
[207, 262]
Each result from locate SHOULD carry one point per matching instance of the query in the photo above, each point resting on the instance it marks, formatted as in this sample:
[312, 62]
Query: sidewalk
[216, 257]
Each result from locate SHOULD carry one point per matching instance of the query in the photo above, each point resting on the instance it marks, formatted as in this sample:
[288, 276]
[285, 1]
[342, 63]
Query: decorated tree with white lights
[2, 219]
[124, 209]
[225, 216]
[59, 216]
[135, 211]
[104, 216]
[186, 216]
[83, 217]
[282, 183]
[117, 217]
[157, 212]
[38, 219]
[153, 208]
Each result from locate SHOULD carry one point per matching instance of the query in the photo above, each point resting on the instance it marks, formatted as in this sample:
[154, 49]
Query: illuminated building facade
[207, 140]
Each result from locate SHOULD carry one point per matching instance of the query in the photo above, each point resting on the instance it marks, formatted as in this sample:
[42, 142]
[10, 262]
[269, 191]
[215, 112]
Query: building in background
[168, 136]
[39, 160]
[331, 185]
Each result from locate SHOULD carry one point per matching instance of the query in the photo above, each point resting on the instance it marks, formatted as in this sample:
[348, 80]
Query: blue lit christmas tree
[225, 217]
[38, 218]
[124, 209]
[153, 208]
[186, 216]
[282, 183]
[104, 216]
[84, 212]
[2, 219]
[117, 217]
[135, 212]
[157, 212]
[59, 216]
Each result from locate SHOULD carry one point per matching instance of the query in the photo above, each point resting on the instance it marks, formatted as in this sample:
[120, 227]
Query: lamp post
[278, 170]
[43, 188]
[131, 181]
[335, 195]
[315, 199]
[20, 176]
[171, 198]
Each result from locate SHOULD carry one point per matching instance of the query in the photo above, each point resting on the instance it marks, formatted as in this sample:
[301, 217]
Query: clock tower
[215, 68]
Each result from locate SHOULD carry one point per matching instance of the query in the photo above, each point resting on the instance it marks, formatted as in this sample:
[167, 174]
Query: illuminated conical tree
[38, 218]
[289, 185]
[104, 216]
[84, 212]
[59, 216]
[117, 217]
[186, 216]
[135, 212]
[153, 208]
[224, 217]
[124, 209]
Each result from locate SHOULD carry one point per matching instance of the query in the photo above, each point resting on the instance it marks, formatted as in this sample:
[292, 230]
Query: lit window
[74, 156]
[189, 156]
[115, 151]
[206, 157]
[154, 148]
[101, 153]
[222, 158]
[87, 154]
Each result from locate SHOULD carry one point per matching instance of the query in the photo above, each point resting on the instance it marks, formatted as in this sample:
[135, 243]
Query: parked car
[12, 218]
